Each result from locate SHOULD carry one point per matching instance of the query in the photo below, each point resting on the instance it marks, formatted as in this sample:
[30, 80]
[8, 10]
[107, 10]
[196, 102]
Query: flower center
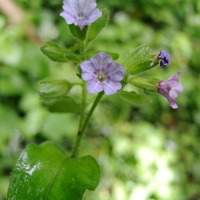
[81, 19]
[101, 77]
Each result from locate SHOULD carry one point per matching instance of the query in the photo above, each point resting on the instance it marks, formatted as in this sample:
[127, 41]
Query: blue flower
[164, 58]
[80, 12]
[102, 74]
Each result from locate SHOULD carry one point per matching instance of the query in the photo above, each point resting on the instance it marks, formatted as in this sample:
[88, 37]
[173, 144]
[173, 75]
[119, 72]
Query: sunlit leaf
[142, 65]
[136, 55]
[45, 172]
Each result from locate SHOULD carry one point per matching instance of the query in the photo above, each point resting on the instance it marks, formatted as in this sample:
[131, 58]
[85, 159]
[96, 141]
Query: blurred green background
[146, 152]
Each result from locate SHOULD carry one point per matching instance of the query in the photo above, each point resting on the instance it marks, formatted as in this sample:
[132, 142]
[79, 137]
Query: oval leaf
[95, 28]
[146, 84]
[52, 90]
[133, 97]
[58, 54]
[142, 65]
[45, 172]
[136, 55]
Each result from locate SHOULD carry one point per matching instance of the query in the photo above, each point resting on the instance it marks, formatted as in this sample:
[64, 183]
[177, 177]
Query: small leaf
[58, 54]
[52, 90]
[95, 28]
[136, 55]
[64, 105]
[133, 97]
[142, 65]
[77, 32]
[45, 172]
[147, 84]
[114, 56]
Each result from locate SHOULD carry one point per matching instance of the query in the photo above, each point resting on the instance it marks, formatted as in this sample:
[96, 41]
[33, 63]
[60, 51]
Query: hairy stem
[82, 130]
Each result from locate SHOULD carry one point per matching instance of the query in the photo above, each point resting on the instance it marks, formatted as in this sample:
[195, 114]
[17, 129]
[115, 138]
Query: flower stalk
[82, 130]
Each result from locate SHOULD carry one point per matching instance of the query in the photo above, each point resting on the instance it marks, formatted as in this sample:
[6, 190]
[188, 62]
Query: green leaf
[64, 105]
[142, 65]
[58, 54]
[114, 56]
[136, 55]
[52, 90]
[45, 172]
[95, 28]
[147, 84]
[133, 97]
[77, 32]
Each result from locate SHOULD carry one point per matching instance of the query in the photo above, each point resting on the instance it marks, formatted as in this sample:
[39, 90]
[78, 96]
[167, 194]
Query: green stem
[83, 106]
[82, 130]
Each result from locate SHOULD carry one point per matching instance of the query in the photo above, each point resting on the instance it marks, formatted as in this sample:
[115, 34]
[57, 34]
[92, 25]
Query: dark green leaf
[142, 65]
[52, 90]
[64, 105]
[77, 32]
[147, 84]
[114, 56]
[136, 55]
[135, 98]
[45, 172]
[95, 28]
[58, 54]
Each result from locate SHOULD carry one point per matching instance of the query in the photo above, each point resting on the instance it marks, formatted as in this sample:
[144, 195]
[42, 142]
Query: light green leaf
[64, 105]
[142, 65]
[136, 55]
[45, 172]
[147, 84]
[114, 56]
[95, 28]
[133, 97]
[52, 90]
[77, 32]
[58, 53]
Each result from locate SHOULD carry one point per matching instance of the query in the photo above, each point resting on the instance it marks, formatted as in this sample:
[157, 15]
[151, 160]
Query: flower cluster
[102, 74]
[80, 12]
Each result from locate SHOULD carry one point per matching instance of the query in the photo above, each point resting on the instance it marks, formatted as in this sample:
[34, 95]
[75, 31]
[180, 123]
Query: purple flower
[164, 58]
[171, 89]
[80, 12]
[102, 74]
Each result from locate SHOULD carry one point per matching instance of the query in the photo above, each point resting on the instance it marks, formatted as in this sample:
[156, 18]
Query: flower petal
[71, 7]
[94, 86]
[101, 61]
[94, 15]
[176, 90]
[88, 71]
[111, 87]
[87, 6]
[68, 17]
[175, 77]
[115, 72]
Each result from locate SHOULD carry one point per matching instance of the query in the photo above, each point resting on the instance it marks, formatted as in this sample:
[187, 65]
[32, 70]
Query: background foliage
[145, 151]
